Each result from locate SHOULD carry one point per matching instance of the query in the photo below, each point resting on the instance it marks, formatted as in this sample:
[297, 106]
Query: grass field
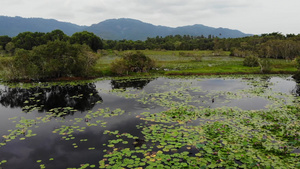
[172, 63]
[185, 63]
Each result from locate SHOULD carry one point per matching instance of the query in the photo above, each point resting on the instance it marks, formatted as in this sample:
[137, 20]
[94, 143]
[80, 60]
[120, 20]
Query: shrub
[132, 62]
[297, 75]
[239, 53]
[251, 61]
[265, 65]
[298, 62]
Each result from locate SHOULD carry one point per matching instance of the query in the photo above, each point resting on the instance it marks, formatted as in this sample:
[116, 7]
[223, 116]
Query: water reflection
[204, 93]
[132, 83]
[296, 90]
[80, 97]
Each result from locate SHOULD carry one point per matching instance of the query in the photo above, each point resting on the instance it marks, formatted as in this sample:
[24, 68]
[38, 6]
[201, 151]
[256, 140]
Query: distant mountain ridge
[12, 26]
[112, 29]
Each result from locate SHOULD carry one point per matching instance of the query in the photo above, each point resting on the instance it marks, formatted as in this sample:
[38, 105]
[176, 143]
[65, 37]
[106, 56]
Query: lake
[185, 122]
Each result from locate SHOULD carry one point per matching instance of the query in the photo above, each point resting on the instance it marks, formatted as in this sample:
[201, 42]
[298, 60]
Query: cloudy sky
[248, 16]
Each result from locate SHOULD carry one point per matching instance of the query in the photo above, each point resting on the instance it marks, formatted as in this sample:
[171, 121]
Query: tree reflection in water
[79, 97]
[296, 91]
[131, 83]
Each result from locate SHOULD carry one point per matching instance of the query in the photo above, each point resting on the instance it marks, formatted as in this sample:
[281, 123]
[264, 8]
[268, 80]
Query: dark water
[80, 97]
[34, 103]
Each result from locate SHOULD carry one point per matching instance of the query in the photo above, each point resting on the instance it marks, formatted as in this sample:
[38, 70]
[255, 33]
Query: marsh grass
[172, 63]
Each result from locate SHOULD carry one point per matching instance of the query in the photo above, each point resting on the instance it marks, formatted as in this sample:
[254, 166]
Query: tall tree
[4, 40]
[88, 38]
[56, 35]
[27, 40]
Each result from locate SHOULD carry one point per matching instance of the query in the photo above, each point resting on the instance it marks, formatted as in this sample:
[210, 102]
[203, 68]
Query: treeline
[170, 42]
[273, 45]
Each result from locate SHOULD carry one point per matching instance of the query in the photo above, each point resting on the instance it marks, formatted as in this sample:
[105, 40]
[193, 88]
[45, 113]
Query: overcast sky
[248, 16]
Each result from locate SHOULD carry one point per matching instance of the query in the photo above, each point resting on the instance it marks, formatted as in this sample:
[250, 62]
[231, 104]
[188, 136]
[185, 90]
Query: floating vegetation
[240, 141]
[188, 122]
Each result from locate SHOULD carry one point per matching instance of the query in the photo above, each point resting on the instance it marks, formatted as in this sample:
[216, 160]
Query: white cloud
[248, 16]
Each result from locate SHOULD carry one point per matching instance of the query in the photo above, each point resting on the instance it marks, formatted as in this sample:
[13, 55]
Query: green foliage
[88, 38]
[4, 40]
[132, 62]
[251, 61]
[170, 42]
[27, 40]
[274, 45]
[10, 47]
[297, 75]
[298, 62]
[56, 35]
[53, 60]
[169, 62]
[265, 65]
[240, 53]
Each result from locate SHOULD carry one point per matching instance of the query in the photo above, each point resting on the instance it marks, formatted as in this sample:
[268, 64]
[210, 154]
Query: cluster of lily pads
[188, 133]
[189, 136]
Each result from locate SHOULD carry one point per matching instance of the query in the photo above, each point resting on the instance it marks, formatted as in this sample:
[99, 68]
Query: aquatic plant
[177, 126]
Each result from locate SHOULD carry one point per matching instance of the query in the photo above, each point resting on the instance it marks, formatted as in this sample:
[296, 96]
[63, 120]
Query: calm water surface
[34, 103]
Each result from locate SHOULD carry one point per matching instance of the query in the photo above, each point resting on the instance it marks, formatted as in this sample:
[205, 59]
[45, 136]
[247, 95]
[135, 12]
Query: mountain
[198, 29]
[117, 29]
[12, 26]
[112, 29]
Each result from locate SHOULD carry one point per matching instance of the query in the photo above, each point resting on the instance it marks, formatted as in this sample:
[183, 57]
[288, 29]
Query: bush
[251, 61]
[298, 62]
[265, 66]
[239, 53]
[297, 75]
[132, 62]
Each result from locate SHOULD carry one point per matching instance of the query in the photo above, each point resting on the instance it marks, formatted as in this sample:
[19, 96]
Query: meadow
[210, 63]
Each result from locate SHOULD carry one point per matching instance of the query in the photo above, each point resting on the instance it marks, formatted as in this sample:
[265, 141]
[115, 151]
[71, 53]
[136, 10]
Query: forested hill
[12, 26]
[112, 29]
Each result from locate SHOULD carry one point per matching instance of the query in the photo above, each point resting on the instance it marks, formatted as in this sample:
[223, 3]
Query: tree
[10, 48]
[297, 75]
[56, 35]
[265, 65]
[132, 62]
[251, 61]
[298, 62]
[52, 60]
[4, 40]
[27, 40]
[88, 38]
